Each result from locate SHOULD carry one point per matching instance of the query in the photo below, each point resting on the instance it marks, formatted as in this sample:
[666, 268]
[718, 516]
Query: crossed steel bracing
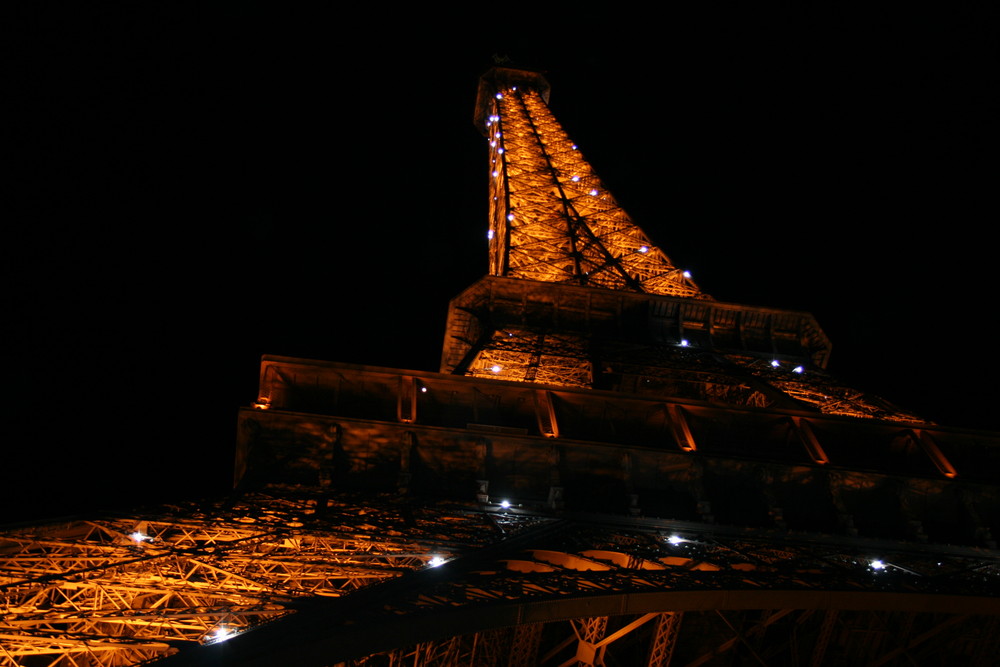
[564, 359]
[121, 590]
[821, 390]
[556, 358]
[585, 592]
[304, 577]
[758, 637]
[551, 219]
[320, 580]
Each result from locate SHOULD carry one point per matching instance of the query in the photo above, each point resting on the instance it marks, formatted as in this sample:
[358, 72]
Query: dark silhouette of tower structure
[610, 467]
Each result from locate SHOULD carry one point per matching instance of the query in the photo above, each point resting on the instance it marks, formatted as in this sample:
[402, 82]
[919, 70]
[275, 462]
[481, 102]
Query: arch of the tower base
[313, 637]
[436, 627]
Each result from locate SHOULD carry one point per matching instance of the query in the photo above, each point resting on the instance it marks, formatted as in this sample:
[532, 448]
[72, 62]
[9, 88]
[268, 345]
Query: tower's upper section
[579, 296]
[551, 218]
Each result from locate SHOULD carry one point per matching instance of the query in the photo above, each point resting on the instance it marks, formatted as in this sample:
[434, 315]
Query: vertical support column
[810, 441]
[680, 429]
[332, 452]
[546, 413]
[633, 498]
[665, 634]
[483, 481]
[934, 453]
[555, 500]
[406, 406]
[406, 454]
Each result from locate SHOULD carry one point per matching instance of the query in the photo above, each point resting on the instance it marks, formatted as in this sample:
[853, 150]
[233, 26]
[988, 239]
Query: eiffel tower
[610, 468]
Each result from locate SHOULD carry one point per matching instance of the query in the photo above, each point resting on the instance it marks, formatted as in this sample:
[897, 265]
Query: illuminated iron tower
[611, 467]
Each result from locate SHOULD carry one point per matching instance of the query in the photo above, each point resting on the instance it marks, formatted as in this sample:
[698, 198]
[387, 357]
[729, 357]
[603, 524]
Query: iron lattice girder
[129, 586]
[819, 389]
[526, 356]
[775, 637]
[587, 569]
[496, 304]
[556, 569]
[148, 565]
[551, 219]
[647, 344]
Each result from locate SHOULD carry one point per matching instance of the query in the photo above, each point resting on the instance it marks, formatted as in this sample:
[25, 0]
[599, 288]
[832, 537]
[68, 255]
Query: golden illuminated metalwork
[656, 475]
[527, 356]
[124, 590]
[818, 389]
[775, 596]
[554, 227]
[551, 218]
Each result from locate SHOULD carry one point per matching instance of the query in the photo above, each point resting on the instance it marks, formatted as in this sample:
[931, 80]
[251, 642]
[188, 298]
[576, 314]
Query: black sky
[196, 189]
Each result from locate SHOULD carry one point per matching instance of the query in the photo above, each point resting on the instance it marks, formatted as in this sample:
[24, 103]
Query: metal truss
[815, 387]
[683, 372]
[566, 360]
[302, 575]
[125, 590]
[758, 637]
[661, 648]
[622, 588]
[616, 561]
[128, 590]
[522, 355]
[585, 641]
[551, 219]
[587, 562]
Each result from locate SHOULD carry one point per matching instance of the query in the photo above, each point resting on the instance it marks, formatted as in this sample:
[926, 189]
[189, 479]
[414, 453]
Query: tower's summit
[551, 218]
[499, 79]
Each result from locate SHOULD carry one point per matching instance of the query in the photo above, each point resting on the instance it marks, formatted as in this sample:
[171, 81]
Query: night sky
[197, 189]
